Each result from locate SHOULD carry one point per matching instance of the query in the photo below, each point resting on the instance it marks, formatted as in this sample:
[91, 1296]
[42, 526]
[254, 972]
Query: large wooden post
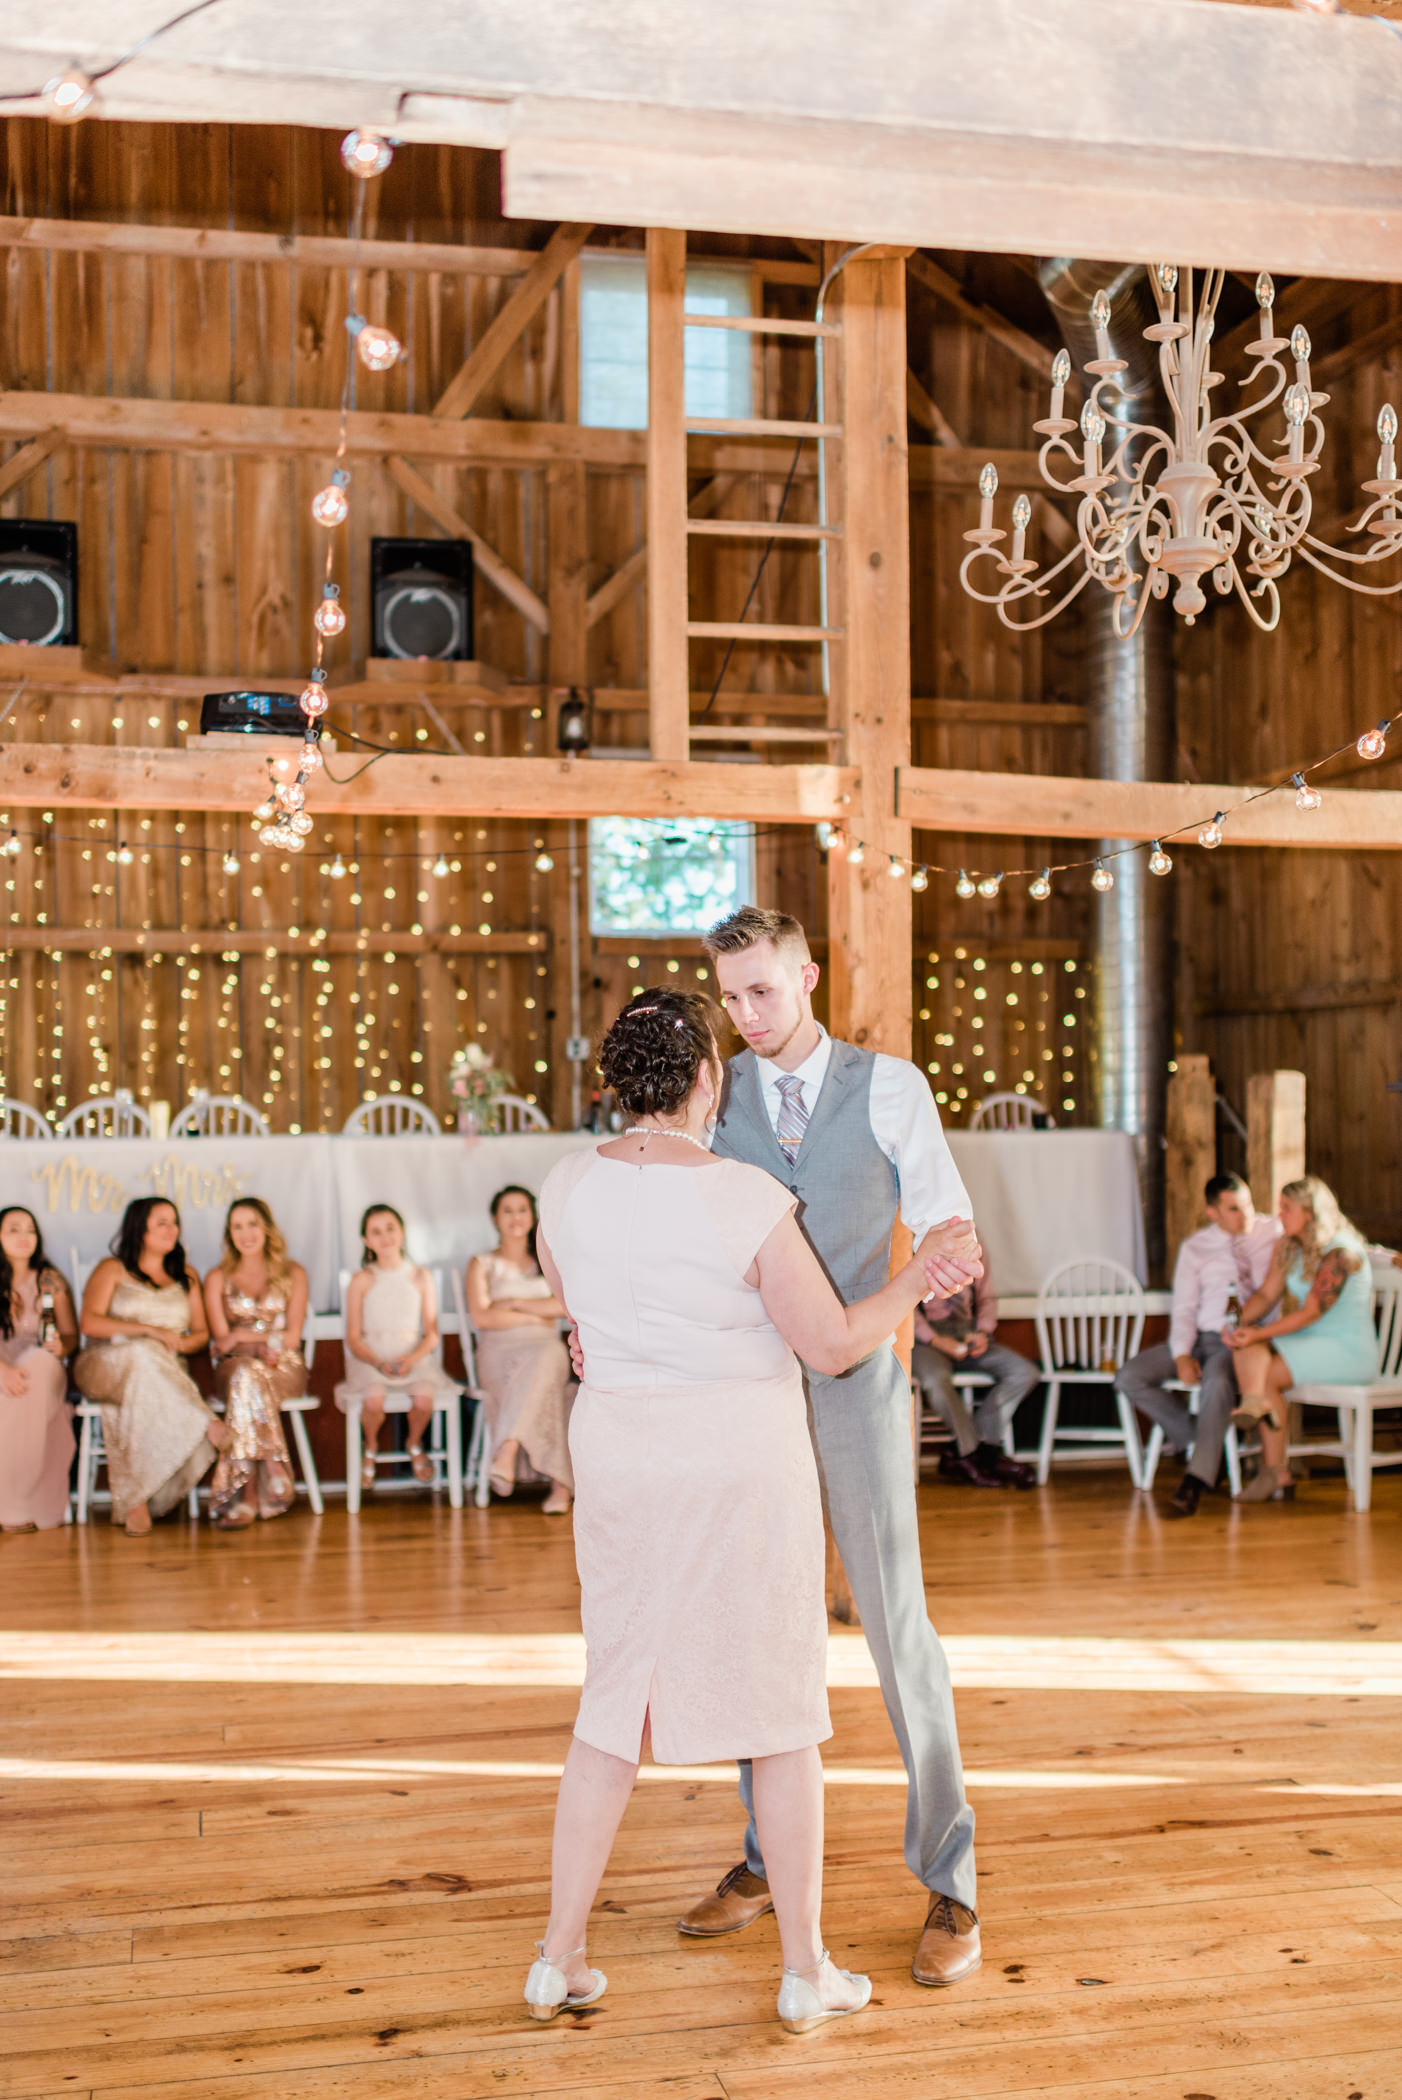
[568, 658]
[1191, 1138]
[1275, 1134]
[869, 911]
[668, 657]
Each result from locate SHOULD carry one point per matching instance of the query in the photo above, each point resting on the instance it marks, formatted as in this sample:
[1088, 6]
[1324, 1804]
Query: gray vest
[848, 1194]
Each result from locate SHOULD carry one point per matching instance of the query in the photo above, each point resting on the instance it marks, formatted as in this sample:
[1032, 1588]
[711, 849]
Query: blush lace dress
[36, 1432]
[526, 1377]
[698, 1524]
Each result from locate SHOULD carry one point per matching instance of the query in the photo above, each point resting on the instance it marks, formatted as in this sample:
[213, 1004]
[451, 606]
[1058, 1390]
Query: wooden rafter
[926, 411]
[486, 359]
[615, 588]
[227, 244]
[28, 460]
[497, 571]
[1023, 346]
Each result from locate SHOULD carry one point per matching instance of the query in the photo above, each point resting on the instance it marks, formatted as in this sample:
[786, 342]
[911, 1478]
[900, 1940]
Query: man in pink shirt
[957, 1334]
[1231, 1255]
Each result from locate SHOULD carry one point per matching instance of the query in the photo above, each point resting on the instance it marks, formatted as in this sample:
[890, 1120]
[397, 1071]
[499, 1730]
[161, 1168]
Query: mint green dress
[1341, 1348]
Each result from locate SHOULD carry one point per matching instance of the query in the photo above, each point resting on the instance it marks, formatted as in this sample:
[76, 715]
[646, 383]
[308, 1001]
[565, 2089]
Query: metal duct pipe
[1129, 690]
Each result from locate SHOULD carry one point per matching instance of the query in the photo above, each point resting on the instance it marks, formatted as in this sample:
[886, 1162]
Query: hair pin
[677, 1021]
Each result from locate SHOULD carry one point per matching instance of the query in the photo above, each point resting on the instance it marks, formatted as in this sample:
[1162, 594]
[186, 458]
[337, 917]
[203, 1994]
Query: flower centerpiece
[477, 1086]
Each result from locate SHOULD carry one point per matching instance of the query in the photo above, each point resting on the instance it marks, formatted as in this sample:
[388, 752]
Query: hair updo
[653, 1054]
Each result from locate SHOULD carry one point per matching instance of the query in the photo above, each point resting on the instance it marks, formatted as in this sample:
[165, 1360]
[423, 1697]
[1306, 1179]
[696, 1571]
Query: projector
[253, 714]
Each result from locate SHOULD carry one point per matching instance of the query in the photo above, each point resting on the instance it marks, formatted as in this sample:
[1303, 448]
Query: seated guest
[521, 1360]
[1225, 1261]
[1322, 1335]
[960, 1331]
[143, 1311]
[392, 1362]
[257, 1303]
[37, 1331]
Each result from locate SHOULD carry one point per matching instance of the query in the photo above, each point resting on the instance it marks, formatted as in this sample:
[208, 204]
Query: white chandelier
[1207, 499]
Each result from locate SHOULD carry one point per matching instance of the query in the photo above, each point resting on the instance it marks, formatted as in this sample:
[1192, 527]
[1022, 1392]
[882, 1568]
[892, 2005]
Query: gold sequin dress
[254, 1465]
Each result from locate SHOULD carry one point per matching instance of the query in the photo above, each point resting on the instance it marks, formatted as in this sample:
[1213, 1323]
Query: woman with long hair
[37, 1332]
[523, 1365]
[1321, 1278]
[256, 1301]
[392, 1345]
[698, 1519]
[142, 1312]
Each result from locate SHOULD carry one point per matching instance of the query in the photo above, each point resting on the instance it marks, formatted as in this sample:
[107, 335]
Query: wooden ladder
[671, 528]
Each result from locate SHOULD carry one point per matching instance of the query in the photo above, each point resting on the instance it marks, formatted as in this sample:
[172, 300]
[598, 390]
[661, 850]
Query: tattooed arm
[1329, 1279]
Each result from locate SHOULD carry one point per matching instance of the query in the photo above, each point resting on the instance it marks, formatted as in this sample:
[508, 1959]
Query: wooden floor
[277, 1813]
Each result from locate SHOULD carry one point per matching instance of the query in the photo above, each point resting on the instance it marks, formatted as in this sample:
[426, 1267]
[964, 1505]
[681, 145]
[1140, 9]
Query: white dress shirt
[1206, 1272]
[905, 1124]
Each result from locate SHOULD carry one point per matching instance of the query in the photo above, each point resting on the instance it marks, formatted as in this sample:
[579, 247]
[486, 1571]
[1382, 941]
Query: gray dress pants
[861, 1432]
[1141, 1382]
[993, 1405]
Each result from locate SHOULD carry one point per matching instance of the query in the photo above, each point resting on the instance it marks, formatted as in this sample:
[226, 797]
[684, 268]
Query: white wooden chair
[1011, 1112]
[475, 1481]
[1231, 1448]
[1090, 1317]
[445, 1427]
[512, 1112]
[18, 1119]
[1356, 1405]
[116, 1115]
[219, 1115]
[392, 1115]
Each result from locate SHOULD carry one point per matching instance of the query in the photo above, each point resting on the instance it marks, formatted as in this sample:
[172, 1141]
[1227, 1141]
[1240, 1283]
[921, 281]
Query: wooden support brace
[498, 572]
[486, 360]
[1275, 1134]
[1191, 1156]
[28, 460]
[927, 412]
[1025, 347]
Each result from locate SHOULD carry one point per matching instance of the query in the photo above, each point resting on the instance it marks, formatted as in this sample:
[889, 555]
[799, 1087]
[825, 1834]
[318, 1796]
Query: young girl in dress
[392, 1361]
[522, 1362]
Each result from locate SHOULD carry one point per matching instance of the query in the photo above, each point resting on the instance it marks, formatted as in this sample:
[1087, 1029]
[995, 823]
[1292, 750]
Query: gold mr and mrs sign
[69, 1183]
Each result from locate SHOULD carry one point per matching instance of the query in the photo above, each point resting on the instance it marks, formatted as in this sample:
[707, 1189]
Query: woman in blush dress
[257, 1303]
[142, 1312]
[37, 1332]
[392, 1345]
[1322, 1280]
[523, 1365]
[698, 1520]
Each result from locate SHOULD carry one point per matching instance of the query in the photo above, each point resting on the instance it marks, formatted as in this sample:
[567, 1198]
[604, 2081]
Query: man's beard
[780, 1048]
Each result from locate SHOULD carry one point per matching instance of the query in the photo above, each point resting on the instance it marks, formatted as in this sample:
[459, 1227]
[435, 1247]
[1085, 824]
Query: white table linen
[1042, 1197]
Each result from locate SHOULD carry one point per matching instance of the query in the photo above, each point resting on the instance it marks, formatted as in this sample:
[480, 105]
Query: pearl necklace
[685, 1136]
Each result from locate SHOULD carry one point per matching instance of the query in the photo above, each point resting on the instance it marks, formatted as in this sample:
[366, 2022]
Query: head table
[1039, 1197]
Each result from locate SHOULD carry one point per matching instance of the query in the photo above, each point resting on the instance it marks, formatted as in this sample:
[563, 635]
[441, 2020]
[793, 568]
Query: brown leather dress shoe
[738, 1900]
[949, 1947]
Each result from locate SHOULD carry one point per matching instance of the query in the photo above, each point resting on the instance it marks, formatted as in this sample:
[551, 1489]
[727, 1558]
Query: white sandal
[801, 2006]
[547, 1992]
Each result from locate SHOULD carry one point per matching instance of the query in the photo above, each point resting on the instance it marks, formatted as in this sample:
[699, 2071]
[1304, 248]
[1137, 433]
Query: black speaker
[421, 596]
[39, 582]
[253, 714]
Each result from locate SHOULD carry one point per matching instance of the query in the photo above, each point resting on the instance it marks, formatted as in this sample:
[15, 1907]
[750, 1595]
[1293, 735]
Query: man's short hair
[1223, 1185]
[749, 926]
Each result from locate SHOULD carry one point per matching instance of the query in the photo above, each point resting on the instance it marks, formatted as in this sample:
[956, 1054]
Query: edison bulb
[1387, 423]
[965, 886]
[68, 96]
[1306, 797]
[543, 864]
[293, 795]
[312, 699]
[265, 812]
[1300, 345]
[311, 758]
[125, 856]
[231, 864]
[1022, 512]
[856, 855]
[1297, 405]
[1160, 862]
[366, 153]
[1061, 368]
[1100, 309]
[331, 505]
[1040, 886]
[14, 844]
[920, 880]
[988, 885]
[1102, 879]
[377, 348]
[1265, 291]
[302, 823]
[988, 480]
[1092, 423]
[1373, 742]
[440, 866]
[330, 616]
[337, 869]
[1168, 277]
[1211, 834]
[895, 868]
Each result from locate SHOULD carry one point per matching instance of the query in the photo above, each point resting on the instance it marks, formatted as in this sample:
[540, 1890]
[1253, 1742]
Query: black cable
[116, 65]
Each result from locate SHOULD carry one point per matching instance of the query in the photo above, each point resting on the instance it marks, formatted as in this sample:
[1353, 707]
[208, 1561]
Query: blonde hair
[274, 1245]
[1326, 1220]
[752, 924]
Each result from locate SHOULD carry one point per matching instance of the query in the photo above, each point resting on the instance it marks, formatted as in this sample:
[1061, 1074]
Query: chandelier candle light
[1209, 498]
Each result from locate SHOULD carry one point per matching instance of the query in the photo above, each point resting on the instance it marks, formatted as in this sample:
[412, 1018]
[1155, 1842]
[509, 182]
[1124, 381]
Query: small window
[656, 878]
[613, 341]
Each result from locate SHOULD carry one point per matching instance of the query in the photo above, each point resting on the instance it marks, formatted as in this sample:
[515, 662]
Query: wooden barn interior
[280, 1805]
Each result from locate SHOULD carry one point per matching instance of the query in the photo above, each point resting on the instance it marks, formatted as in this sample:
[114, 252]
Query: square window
[667, 876]
[613, 341]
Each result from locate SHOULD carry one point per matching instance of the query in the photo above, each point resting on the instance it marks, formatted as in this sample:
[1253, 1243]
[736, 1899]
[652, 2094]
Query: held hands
[977, 1343]
[952, 1257]
[1242, 1337]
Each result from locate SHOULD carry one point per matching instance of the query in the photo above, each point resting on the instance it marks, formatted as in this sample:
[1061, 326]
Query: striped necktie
[793, 1116]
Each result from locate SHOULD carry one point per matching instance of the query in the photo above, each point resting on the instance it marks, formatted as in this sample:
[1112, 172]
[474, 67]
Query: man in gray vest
[857, 1138]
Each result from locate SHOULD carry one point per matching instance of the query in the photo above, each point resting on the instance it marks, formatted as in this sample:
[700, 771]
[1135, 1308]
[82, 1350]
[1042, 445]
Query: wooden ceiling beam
[95, 776]
[1024, 347]
[227, 244]
[505, 330]
[1043, 806]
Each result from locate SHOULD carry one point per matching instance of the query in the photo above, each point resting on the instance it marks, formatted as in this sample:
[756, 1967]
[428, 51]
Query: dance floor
[277, 1818]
